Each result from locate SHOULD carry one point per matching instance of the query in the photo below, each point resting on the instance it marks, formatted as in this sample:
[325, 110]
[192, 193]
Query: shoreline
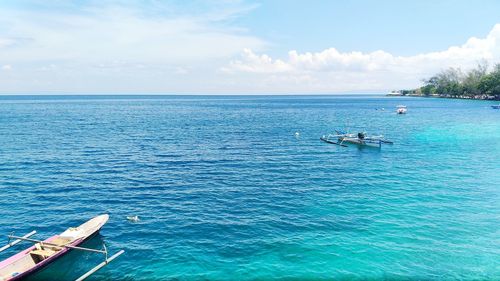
[484, 98]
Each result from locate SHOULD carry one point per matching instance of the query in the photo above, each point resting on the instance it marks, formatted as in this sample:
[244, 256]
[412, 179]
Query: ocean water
[226, 191]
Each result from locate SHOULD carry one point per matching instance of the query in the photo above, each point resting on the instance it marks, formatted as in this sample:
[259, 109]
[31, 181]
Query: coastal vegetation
[478, 83]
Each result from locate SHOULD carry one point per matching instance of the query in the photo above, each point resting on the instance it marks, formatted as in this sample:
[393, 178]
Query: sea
[242, 188]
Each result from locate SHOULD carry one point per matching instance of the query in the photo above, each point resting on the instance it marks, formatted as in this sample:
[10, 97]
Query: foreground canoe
[44, 252]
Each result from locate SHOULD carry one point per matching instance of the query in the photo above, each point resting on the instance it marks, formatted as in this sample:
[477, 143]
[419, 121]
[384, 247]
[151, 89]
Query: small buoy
[133, 218]
[297, 134]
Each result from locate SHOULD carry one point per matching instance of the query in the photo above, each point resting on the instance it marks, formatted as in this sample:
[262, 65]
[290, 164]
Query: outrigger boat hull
[358, 139]
[40, 255]
[325, 139]
[401, 109]
[360, 142]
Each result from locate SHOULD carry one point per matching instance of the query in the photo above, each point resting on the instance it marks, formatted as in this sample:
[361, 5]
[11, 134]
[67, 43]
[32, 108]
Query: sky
[239, 47]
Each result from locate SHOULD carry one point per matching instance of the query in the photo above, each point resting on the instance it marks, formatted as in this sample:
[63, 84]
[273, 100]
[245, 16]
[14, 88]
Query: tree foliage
[477, 83]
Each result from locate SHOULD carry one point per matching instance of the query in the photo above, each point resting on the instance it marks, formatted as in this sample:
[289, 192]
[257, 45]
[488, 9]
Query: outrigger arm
[99, 266]
[342, 143]
[84, 276]
[10, 244]
[59, 246]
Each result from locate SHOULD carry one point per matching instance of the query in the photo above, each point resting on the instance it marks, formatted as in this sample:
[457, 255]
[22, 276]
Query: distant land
[477, 83]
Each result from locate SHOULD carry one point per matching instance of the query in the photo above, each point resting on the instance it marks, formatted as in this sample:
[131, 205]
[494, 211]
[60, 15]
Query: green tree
[472, 79]
[428, 90]
[490, 83]
[454, 83]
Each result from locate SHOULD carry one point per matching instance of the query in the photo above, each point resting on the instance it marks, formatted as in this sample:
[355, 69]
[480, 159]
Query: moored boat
[497, 106]
[361, 138]
[401, 109]
[45, 252]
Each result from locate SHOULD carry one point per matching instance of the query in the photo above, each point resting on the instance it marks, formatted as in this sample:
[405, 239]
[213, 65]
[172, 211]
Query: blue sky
[239, 47]
[400, 27]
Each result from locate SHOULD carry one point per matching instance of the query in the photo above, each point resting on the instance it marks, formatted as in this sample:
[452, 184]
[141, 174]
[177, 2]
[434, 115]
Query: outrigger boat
[339, 138]
[42, 253]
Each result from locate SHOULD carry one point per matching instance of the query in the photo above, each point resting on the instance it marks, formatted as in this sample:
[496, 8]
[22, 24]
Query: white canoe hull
[40, 255]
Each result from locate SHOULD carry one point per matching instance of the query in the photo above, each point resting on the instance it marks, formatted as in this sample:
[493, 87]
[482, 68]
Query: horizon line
[195, 94]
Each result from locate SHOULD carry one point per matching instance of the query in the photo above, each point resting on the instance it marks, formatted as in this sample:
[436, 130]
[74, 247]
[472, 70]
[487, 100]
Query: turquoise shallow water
[225, 191]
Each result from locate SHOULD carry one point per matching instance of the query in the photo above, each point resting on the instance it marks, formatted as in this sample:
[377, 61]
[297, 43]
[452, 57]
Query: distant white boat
[394, 94]
[401, 109]
[496, 106]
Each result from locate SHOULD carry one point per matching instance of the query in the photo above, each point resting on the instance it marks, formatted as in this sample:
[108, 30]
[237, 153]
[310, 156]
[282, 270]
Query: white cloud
[181, 70]
[332, 70]
[5, 42]
[6, 67]
[258, 64]
[106, 33]
[119, 46]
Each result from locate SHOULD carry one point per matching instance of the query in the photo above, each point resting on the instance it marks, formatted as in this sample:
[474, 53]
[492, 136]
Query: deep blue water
[225, 191]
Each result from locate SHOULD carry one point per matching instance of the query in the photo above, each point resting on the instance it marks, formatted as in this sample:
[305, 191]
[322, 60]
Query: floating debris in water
[133, 218]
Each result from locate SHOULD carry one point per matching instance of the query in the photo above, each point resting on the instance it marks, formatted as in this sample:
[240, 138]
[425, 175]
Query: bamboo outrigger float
[45, 252]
